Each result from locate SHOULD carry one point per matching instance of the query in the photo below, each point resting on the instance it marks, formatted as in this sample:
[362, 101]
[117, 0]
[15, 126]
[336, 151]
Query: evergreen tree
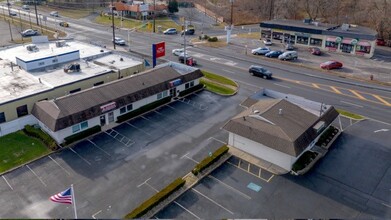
[172, 6]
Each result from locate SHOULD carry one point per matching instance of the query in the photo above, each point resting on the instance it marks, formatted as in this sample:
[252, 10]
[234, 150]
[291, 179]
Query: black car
[188, 32]
[189, 60]
[274, 54]
[260, 71]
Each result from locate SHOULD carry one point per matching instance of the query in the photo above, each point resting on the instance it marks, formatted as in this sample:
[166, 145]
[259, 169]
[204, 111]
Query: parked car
[188, 32]
[289, 47]
[64, 24]
[267, 42]
[119, 41]
[260, 51]
[260, 71]
[189, 60]
[29, 32]
[380, 42]
[12, 13]
[332, 64]
[54, 13]
[288, 55]
[315, 51]
[25, 7]
[170, 31]
[274, 54]
[177, 52]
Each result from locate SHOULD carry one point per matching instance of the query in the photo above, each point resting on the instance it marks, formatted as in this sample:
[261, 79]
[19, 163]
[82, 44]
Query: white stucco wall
[17, 124]
[261, 151]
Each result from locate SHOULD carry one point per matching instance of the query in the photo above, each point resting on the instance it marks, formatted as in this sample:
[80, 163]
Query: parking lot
[352, 181]
[116, 170]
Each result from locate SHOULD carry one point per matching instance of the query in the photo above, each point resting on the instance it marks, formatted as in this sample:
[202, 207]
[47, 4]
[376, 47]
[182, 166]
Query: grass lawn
[217, 88]
[141, 26]
[252, 35]
[17, 148]
[218, 78]
[350, 115]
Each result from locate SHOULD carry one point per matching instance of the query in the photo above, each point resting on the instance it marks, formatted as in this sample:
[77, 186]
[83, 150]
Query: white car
[119, 41]
[176, 52]
[54, 14]
[267, 42]
[260, 51]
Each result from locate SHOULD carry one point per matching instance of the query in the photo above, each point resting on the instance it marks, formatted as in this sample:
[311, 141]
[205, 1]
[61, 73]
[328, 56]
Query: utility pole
[112, 22]
[232, 12]
[8, 5]
[154, 16]
[36, 13]
[184, 40]
[271, 9]
[9, 25]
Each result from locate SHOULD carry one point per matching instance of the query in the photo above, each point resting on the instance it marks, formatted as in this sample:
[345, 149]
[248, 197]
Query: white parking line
[183, 112]
[187, 210]
[96, 213]
[142, 130]
[212, 201]
[389, 206]
[217, 140]
[144, 182]
[36, 175]
[154, 122]
[230, 187]
[80, 156]
[7, 182]
[95, 145]
[60, 166]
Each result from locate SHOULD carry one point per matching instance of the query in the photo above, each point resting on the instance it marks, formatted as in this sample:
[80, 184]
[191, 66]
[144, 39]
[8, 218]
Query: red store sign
[108, 107]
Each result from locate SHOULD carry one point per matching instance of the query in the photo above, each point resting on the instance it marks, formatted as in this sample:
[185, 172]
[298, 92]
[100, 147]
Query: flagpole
[74, 201]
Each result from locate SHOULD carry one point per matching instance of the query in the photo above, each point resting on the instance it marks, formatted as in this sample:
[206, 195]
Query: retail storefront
[347, 39]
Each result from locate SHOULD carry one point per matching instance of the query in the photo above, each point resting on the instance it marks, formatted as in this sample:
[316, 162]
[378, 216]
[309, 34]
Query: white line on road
[185, 155]
[59, 165]
[212, 201]
[138, 129]
[7, 182]
[80, 156]
[349, 103]
[229, 71]
[93, 216]
[191, 159]
[389, 206]
[277, 84]
[99, 147]
[217, 140]
[187, 210]
[36, 175]
[230, 187]
[151, 187]
[384, 129]
[144, 182]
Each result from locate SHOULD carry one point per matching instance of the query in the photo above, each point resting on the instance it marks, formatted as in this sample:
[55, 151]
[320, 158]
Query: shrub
[83, 134]
[143, 109]
[192, 89]
[304, 160]
[154, 200]
[44, 137]
[328, 134]
[213, 39]
[210, 159]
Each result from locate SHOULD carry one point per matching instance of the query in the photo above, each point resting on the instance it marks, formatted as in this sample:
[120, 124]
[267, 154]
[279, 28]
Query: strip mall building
[347, 39]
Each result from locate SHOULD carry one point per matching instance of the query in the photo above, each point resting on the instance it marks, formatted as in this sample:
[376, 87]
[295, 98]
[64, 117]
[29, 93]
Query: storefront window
[265, 34]
[331, 44]
[363, 49]
[346, 48]
[277, 35]
[302, 40]
[289, 39]
[316, 42]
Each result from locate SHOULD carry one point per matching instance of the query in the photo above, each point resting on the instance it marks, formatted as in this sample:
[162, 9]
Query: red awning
[332, 39]
[364, 43]
[347, 41]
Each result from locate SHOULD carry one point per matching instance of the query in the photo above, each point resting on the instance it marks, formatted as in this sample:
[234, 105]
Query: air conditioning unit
[32, 47]
[60, 43]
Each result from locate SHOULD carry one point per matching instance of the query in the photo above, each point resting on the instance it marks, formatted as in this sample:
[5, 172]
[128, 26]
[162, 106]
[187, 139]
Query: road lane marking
[349, 103]
[96, 213]
[382, 100]
[335, 90]
[187, 210]
[315, 85]
[66, 171]
[212, 201]
[240, 168]
[80, 156]
[277, 84]
[7, 182]
[230, 187]
[36, 175]
[358, 95]
[228, 71]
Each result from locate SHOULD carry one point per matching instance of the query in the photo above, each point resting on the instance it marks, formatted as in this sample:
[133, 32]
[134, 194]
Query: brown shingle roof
[75, 108]
[290, 132]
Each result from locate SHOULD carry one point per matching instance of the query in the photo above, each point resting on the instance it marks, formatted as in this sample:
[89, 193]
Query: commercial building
[139, 9]
[345, 38]
[43, 71]
[278, 128]
[101, 105]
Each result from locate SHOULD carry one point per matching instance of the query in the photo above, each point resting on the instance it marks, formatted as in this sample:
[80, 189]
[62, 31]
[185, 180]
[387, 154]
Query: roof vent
[60, 43]
[280, 111]
[121, 59]
[32, 47]
[345, 27]
[256, 111]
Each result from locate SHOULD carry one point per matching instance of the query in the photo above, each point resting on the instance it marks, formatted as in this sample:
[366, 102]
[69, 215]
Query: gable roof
[75, 108]
[289, 132]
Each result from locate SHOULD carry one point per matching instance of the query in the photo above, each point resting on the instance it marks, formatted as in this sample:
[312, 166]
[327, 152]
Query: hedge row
[210, 159]
[143, 109]
[156, 199]
[213, 39]
[326, 134]
[83, 134]
[38, 133]
[190, 90]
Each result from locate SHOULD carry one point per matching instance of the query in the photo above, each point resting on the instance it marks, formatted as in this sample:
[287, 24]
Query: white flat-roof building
[34, 72]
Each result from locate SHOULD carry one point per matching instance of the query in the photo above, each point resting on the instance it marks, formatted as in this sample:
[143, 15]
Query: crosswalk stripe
[335, 90]
[358, 95]
[315, 85]
[382, 100]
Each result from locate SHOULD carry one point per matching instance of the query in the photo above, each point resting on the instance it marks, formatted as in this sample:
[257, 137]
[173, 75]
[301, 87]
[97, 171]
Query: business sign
[108, 107]
[158, 50]
[176, 82]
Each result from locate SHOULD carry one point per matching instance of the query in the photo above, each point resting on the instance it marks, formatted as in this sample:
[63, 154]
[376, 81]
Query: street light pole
[112, 22]
[9, 11]
[154, 16]
[232, 12]
[36, 13]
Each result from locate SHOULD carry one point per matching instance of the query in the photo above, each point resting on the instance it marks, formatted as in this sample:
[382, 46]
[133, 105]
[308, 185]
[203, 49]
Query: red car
[315, 51]
[380, 42]
[331, 65]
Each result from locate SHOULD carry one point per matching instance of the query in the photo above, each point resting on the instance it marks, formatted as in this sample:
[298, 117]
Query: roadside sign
[158, 50]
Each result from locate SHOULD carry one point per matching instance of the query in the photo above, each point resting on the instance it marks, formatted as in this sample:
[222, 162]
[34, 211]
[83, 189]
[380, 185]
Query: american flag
[63, 197]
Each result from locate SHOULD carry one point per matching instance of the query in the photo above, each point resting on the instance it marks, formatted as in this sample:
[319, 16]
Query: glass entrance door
[111, 117]
[102, 120]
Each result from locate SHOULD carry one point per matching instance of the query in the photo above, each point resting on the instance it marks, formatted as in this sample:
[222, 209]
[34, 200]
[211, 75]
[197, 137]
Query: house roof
[279, 124]
[120, 6]
[75, 108]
